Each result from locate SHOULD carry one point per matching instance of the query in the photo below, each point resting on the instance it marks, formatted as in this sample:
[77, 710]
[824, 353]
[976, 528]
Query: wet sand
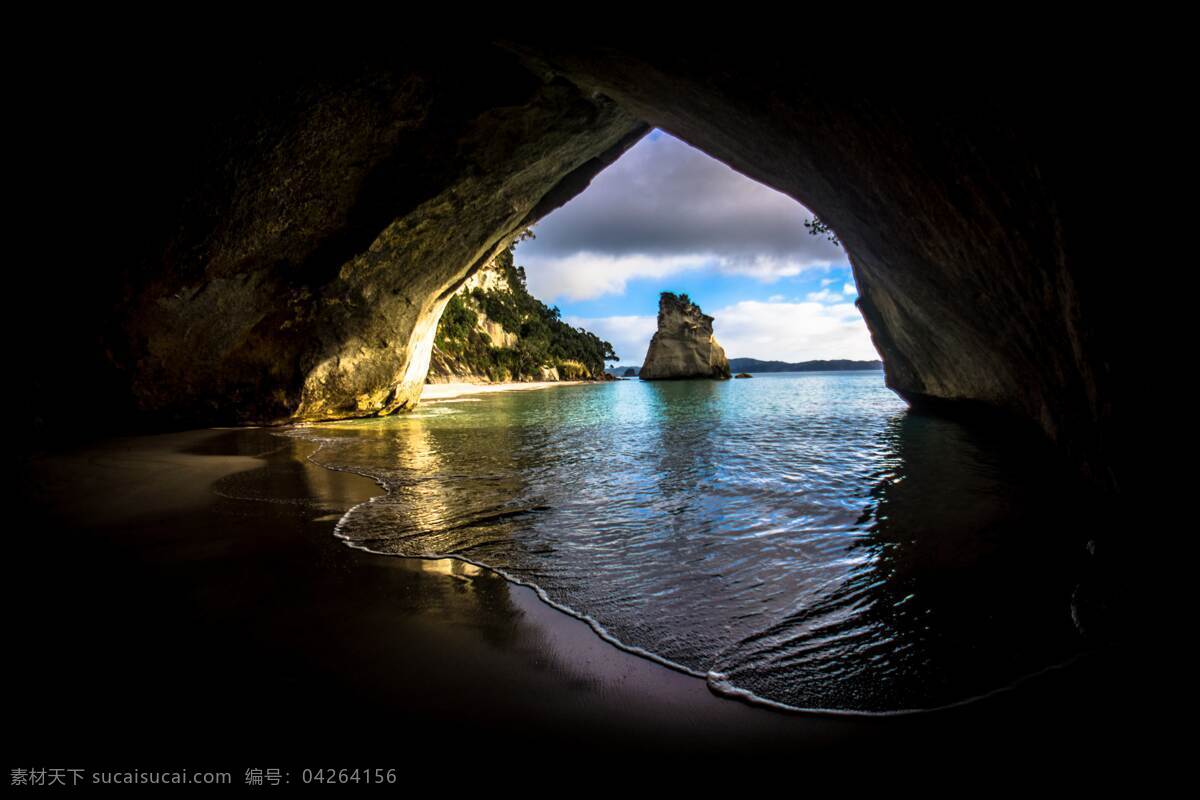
[182, 597]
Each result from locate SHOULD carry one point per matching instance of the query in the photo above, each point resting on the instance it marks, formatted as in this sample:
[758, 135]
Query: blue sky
[666, 217]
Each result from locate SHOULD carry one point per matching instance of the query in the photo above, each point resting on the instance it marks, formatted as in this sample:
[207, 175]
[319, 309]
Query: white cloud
[767, 269]
[849, 289]
[583, 276]
[776, 298]
[825, 296]
[630, 336]
[588, 275]
[792, 331]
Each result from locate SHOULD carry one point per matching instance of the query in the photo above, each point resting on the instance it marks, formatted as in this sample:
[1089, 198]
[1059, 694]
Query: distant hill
[755, 365]
[836, 365]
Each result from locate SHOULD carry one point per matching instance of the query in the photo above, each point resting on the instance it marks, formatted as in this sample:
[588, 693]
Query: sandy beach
[190, 585]
[448, 391]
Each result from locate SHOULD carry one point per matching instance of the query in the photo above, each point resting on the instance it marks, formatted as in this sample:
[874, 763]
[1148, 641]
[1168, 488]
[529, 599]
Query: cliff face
[446, 364]
[492, 330]
[288, 254]
[684, 345]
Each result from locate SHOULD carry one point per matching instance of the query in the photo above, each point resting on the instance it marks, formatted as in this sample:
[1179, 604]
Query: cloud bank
[662, 208]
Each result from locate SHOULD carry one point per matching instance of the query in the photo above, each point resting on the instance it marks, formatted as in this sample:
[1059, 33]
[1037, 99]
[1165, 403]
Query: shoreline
[238, 551]
[432, 392]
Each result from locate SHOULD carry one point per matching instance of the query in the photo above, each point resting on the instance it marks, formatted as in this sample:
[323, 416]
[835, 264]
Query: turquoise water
[796, 538]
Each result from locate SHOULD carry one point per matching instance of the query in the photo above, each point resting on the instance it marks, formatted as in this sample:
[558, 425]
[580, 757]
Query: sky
[667, 217]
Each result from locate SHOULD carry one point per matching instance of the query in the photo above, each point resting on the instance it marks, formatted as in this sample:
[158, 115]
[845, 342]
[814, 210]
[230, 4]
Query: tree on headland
[681, 298]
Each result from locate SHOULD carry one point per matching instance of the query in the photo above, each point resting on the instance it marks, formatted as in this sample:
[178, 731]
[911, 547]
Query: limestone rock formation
[684, 345]
[445, 367]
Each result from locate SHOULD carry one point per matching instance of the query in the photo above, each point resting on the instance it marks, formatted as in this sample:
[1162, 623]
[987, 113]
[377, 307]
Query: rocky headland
[493, 330]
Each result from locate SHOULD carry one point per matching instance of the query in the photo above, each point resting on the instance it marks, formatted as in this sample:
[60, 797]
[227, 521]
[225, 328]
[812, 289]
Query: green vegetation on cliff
[543, 340]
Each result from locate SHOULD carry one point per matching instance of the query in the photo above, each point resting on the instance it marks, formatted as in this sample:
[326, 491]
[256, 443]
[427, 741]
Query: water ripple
[799, 539]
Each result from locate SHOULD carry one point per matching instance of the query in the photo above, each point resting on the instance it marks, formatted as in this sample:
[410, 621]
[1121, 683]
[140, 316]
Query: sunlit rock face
[684, 345]
[302, 268]
[442, 367]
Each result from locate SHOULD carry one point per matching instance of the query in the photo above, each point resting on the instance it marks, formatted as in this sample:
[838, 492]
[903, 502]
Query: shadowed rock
[299, 245]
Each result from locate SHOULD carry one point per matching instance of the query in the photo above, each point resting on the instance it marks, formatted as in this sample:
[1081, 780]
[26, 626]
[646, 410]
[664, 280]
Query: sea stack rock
[683, 346]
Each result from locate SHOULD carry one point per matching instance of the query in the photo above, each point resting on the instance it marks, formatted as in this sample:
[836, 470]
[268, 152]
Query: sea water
[798, 539]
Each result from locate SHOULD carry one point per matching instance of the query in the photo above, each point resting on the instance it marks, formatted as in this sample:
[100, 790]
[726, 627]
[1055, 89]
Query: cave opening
[291, 262]
[767, 532]
[665, 217]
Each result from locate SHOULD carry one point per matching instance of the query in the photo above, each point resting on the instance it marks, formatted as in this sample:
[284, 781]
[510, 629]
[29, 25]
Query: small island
[684, 345]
